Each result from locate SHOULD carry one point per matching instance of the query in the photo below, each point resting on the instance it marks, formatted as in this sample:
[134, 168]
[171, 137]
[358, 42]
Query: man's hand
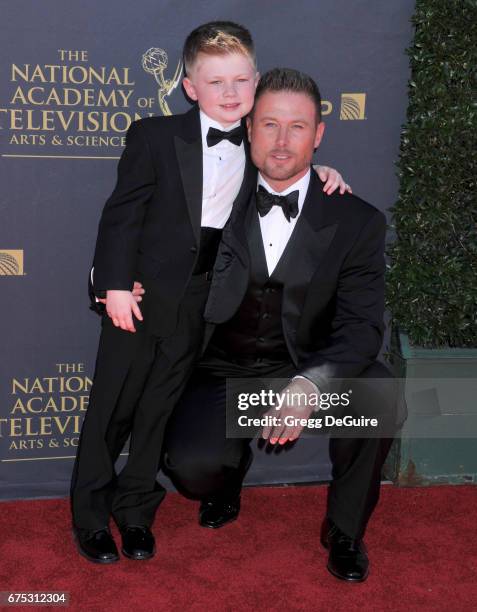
[120, 306]
[138, 291]
[297, 407]
[332, 179]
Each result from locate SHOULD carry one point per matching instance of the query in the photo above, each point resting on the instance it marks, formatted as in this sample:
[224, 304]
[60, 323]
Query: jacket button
[260, 339]
[265, 315]
[193, 249]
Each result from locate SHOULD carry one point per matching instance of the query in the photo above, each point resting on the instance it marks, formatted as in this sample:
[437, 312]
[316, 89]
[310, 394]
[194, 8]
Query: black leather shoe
[138, 542]
[217, 513]
[348, 559]
[96, 545]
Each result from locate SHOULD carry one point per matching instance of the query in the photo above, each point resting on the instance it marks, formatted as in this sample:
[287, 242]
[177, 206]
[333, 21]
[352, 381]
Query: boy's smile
[223, 85]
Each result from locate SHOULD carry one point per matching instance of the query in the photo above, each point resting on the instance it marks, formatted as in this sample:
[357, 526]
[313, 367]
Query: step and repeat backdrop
[73, 76]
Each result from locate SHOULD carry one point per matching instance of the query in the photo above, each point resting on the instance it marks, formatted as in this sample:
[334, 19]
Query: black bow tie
[235, 136]
[288, 203]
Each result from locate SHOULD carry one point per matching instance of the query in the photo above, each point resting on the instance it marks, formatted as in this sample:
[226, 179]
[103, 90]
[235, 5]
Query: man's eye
[269, 124]
[242, 80]
[215, 82]
[297, 126]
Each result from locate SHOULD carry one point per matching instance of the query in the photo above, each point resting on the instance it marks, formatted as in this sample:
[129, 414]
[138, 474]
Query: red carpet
[422, 545]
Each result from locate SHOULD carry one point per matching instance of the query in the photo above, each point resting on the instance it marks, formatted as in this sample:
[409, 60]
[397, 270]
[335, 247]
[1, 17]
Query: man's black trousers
[204, 463]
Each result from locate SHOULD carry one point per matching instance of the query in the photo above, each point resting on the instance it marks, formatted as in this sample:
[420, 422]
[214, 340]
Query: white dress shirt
[276, 230]
[223, 171]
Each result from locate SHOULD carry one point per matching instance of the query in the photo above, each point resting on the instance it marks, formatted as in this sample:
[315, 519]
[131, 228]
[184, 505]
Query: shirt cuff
[315, 388]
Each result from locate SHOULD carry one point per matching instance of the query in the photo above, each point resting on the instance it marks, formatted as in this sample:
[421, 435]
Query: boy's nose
[229, 89]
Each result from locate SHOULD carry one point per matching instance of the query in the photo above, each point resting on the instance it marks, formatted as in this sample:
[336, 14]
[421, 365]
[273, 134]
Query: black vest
[255, 331]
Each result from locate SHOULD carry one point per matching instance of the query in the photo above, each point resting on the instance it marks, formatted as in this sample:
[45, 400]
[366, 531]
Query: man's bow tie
[235, 136]
[288, 203]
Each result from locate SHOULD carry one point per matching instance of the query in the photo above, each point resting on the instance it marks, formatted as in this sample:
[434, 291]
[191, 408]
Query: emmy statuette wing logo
[11, 263]
[155, 61]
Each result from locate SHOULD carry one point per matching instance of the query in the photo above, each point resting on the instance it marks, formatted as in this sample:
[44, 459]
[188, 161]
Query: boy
[179, 178]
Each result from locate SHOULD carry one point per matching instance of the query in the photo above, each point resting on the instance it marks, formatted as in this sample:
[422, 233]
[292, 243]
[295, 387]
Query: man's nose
[282, 136]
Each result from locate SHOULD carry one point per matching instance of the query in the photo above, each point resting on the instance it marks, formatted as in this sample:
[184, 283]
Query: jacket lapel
[305, 250]
[234, 234]
[232, 265]
[189, 155]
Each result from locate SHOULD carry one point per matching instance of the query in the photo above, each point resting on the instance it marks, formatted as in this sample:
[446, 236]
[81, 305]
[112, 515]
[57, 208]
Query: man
[298, 294]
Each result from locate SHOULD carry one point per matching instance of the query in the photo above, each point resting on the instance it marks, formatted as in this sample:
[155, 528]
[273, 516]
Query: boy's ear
[189, 88]
[257, 79]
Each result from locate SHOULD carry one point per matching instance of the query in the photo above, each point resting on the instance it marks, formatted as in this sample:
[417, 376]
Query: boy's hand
[137, 292]
[332, 179]
[120, 306]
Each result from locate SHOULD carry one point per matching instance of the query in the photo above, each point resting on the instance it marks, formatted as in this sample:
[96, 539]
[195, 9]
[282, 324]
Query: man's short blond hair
[218, 38]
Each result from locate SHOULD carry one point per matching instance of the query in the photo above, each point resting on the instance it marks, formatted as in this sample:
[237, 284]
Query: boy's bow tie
[215, 136]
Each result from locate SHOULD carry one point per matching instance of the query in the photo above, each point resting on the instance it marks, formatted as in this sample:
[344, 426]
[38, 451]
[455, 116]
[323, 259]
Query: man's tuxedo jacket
[150, 225]
[333, 297]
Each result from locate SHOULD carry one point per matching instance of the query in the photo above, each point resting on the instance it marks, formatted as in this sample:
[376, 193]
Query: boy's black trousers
[138, 379]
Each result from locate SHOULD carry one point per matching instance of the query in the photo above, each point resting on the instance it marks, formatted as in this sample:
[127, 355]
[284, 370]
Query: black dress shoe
[96, 545]
[218, 512]
[138, 542]
[348, 559]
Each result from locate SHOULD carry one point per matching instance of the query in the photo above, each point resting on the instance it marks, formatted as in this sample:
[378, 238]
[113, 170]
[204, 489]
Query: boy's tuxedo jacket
[150, 225]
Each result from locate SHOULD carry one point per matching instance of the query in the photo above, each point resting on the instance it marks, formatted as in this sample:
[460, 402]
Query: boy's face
[223, 85]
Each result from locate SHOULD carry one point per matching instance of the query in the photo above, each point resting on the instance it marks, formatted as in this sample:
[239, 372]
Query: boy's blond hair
[217, 38]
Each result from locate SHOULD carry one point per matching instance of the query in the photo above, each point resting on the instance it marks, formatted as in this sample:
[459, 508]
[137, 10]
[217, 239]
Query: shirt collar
[206, 122]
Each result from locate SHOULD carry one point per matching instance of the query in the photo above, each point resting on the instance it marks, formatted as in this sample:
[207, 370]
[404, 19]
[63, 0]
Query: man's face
[223, 85]
[283, 133]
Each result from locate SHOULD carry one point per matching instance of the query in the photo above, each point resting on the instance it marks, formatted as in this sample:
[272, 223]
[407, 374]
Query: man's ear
[320, 128]
[249, 128]
[189, 88]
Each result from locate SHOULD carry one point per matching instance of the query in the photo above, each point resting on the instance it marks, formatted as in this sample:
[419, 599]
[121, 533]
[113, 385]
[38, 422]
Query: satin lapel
[232, 265]
[306, 248]
[256, 248]
[189, 155]
[231, 270]
[234, 231]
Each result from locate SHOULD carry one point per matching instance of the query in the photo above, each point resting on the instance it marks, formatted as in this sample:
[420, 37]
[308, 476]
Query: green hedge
[432, 276]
